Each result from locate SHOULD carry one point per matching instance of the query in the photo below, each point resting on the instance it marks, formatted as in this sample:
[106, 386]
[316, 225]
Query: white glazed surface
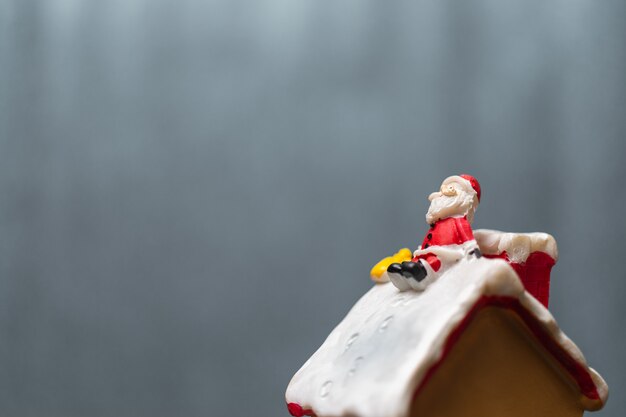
[373, 361]
[517, 245]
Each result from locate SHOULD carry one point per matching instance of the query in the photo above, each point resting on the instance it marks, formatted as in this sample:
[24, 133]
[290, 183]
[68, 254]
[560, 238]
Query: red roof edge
[577, 370]
[296, 410]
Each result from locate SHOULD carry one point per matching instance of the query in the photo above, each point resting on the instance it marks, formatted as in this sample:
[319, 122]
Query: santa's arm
[465, 234]
[463, 229]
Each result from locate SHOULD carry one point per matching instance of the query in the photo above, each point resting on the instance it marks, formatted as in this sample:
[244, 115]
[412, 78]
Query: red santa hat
[473, 182]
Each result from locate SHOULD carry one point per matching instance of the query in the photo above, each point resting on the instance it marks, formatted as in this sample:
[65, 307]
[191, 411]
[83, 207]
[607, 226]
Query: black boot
[414, 270]
[395, 269]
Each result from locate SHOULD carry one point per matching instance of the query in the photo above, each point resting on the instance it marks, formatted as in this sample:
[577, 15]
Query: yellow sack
[378, 271]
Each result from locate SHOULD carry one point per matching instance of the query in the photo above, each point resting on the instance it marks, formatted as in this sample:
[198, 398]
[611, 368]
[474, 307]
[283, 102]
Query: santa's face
[452, 200]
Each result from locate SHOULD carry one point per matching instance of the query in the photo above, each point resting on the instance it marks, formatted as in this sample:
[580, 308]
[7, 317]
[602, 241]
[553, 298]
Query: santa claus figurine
[449, 238]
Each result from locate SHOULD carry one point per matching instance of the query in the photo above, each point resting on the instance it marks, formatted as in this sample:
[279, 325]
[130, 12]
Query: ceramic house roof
[375, 360]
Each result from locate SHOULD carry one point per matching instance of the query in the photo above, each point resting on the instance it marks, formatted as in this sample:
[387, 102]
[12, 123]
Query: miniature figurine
[449, 238]
[454, 333]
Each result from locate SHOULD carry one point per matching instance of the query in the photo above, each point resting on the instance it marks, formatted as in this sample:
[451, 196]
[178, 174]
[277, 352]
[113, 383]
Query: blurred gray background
[192, 193]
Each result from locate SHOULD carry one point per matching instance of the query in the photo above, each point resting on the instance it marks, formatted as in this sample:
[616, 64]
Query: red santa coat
[450, 231]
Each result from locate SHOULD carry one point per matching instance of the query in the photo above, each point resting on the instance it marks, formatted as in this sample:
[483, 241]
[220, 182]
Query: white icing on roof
[517, 245]
[372, 362]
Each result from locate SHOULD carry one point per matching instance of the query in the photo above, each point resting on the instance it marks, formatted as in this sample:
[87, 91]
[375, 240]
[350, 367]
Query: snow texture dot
[350, 341]
[325, 390]
[385, 324]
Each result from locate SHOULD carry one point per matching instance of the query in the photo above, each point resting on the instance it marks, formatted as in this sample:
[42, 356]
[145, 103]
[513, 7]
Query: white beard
[442, 207]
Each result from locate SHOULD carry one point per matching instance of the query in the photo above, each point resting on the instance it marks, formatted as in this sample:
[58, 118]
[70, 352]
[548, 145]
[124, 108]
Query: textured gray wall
[192, 192]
